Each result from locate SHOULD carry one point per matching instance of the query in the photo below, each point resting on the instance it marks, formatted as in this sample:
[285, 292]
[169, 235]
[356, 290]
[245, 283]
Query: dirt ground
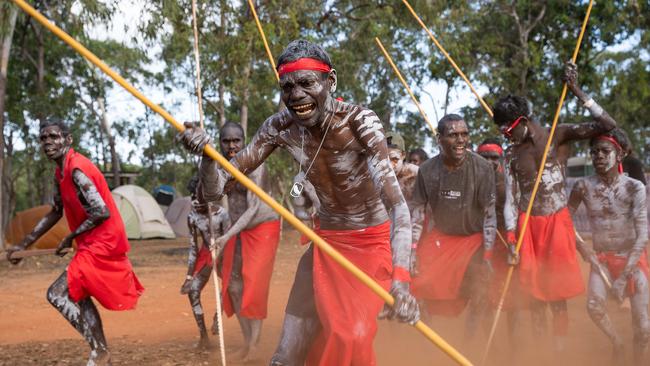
[162, 331]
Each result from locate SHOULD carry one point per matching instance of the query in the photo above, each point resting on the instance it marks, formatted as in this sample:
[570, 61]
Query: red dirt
[162, 331]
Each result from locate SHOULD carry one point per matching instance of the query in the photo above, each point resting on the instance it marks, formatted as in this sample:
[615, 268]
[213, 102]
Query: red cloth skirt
[616, 264]
[442, 261]
[258, 248]
[549, 269]
[515, 298]
[110, 280]
[204, 258]
[347, 308]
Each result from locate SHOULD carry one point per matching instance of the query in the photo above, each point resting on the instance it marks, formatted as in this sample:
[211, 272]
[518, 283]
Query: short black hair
[65, 130]
[491, 140]
[509, 108]
[301, 48]
[421, 153]
[618, 135]
[446, 119]
[231, 125]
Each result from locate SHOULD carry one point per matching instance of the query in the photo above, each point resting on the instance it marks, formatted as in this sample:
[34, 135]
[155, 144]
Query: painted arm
[602, 123]
[253, 204]
[369, 131]
[216, 181]
[488, 196]
[510, 208]
[43, 225]
[419, 204]
[640, 214]
[575, 199]
[193, 252]
[93, 205]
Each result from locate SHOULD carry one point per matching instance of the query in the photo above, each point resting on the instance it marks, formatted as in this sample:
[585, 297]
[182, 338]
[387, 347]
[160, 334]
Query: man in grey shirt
[458, 188]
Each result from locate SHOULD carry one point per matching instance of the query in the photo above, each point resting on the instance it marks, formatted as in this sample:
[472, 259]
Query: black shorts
[301, 299]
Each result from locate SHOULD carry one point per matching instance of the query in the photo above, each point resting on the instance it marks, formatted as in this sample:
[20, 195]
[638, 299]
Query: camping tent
[177, 214]
[142, 216]
[25, 221]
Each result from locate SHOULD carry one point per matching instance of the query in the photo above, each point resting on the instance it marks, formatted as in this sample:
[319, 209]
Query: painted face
[232, 141]
[396, 157]
[516, 131]
[415, 159]
[493, 157]
[454, 141]
[53, 143]
[605, 156]
[305, 93]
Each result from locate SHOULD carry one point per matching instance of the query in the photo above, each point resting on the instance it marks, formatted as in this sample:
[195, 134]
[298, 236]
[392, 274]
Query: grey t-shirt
[459, 200]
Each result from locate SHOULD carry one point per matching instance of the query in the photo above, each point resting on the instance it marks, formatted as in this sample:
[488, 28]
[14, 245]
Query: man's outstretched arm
[602, 122]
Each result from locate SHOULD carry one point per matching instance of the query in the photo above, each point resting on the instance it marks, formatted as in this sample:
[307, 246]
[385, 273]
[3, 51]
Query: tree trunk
[115, 159]
[8, 17]
[243, 112]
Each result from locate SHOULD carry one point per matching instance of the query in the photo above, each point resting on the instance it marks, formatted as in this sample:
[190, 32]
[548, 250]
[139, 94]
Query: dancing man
[100, 267]
[341, 150]
[249, 246]
[206, 220]
[549, 269]
[616, 207]
[458, 188]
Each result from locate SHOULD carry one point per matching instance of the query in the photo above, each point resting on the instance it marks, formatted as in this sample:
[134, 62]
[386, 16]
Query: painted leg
[295, 340]
[478, 302]
[560, 324]
[236, 292]
[597, 308]
[538, 317]
[640, 320]
[197, 285]
[84, 317]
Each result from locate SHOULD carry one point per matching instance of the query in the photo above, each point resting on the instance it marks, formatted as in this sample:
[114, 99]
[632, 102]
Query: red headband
[615, 143]
[303, 64]
[490, 148]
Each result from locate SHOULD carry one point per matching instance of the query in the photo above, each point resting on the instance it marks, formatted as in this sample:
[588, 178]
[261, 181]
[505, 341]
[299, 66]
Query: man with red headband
[454, 256]
[616, 207]
[341, 150]
[100, 267]
[549, 269]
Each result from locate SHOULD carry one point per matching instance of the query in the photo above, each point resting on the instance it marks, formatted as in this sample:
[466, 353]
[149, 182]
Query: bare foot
[251, 355]
[204, 343]
[99, 358]
[618, 354]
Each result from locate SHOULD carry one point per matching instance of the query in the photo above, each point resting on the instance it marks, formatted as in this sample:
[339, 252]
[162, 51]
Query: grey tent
[177, 214]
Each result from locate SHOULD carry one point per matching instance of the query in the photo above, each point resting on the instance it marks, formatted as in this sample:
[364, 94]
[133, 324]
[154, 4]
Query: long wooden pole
[266, 44]
[401, 78]
[249, 184]
[451, 60]
[535, 187]
[197, 63]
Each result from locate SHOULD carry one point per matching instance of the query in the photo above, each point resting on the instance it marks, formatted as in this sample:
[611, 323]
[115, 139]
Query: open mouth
[303, 109]
[459, 149]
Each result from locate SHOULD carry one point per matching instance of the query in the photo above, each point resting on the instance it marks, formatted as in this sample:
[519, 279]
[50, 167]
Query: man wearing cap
[548, 270]
[341, 150]
[616, 207]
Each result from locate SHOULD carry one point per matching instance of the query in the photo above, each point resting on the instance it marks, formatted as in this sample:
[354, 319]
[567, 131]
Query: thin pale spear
[536, 186]
[266, 45]
[249, 184]
[401, 78]
[451, 60]
[197, 62]
[215, 278]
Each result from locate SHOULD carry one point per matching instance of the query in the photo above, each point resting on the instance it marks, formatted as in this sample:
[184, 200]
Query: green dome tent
[142, 216]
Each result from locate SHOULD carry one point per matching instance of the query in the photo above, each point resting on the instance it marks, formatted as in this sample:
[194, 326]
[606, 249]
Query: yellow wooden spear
[266, 45]
[246, 182]
[401, 78]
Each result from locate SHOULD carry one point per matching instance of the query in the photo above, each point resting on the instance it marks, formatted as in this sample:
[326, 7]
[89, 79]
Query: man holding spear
[100, 267]
[549, 270]
[616, 207]
[342, 152]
